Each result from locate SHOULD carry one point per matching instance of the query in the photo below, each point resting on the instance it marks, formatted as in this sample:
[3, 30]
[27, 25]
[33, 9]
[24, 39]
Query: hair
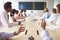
[12, 12]
[45, 10]
[22, 10]
[7, 5]
[58, 5]
[17, 11]
[54, 10]
[58, 8]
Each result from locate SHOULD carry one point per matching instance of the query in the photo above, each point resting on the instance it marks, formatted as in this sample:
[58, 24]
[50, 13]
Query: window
[32, 5]
[40, 5]
[25, 5]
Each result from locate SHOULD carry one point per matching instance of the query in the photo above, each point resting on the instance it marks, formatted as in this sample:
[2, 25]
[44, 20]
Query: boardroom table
[31, 25]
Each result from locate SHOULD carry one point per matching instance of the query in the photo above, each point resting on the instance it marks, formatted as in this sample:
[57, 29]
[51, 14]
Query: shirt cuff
[8, 35]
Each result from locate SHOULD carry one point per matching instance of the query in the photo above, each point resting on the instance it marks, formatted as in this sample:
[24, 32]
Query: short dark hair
[58, 8]
[22, 10]
[54, 10]
[17, 11]
[7, 5]
[13, 11]
[58, 5]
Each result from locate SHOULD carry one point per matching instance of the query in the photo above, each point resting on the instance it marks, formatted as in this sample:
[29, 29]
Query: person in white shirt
[58, 8]
[44, 33]
[58, 13]
[46, 14]
[5, 23]
[16, 14]
[4, 15]
[4, 19]
[53, 17]
[12, 13]
[24, 13]
[21, 16]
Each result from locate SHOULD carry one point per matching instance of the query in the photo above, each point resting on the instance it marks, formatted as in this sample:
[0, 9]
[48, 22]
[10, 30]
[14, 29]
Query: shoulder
[2, 13]
[46, 13]
[54, 14]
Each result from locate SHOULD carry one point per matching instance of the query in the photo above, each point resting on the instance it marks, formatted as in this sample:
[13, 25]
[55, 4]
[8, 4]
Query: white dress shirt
[46, 15]
[45, 35]
[4, 19]
[10, 19]
[58, 20]
[4, 22]
[53, 18]
[24, 14]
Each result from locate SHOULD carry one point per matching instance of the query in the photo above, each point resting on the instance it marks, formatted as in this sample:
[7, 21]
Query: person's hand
[43, 24]
[21, 29]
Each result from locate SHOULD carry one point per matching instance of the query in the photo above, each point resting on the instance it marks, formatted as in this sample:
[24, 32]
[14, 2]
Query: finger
[21, 27]
[21, 24]
[22, 30]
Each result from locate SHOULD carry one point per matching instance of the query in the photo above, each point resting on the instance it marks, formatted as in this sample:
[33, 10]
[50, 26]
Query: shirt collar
[5, 11]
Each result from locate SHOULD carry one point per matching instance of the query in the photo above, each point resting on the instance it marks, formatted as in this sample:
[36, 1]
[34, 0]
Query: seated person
[58, 13]
[16, 14]
[44, 33]
[7, 36]
[53, 17]
[4, 22]
[24, 13]
[21, 15]
[46, 14]
[12, 13]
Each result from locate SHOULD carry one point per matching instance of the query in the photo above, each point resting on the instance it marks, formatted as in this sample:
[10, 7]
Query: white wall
[50, 3]
[15, 5]
[1, 4]
[56, 2]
